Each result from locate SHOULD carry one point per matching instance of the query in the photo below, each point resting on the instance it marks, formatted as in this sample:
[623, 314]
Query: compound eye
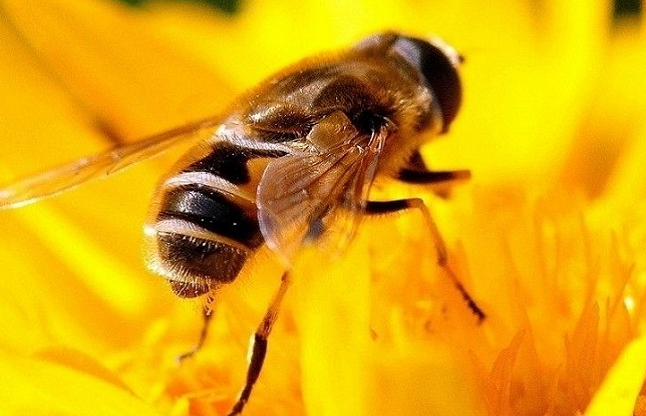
[437, 63]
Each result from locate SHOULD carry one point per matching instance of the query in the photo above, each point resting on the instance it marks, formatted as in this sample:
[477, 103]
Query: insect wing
[305, 198]
[67, 176]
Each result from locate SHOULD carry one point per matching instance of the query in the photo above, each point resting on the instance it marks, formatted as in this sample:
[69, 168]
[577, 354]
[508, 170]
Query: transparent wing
[305, 198]
[67, 176]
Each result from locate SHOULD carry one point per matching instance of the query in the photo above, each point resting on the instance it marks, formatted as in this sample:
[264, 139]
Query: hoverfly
[290, 164]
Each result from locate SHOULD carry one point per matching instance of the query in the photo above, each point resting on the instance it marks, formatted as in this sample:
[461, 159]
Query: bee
[290, 164]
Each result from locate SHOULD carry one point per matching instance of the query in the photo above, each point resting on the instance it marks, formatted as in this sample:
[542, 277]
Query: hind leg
[258, 346]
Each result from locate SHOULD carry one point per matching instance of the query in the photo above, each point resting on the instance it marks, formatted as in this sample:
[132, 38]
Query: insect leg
[258, 347]
[416, 172]
[387, 207]
[432, 176]
[207, 315]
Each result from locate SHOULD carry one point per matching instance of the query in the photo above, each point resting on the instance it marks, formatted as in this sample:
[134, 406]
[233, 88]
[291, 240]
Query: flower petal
[41, 387]
[116, 67]
[622, 384]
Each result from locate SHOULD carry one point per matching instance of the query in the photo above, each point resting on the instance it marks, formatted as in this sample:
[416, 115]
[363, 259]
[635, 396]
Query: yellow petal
[42, 387]
[116, 67]
[622, 384]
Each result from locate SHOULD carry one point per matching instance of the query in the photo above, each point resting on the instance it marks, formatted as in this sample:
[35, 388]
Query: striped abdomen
[205, 224]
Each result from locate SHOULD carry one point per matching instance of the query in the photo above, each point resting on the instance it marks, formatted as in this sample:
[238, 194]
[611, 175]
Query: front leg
[416, 172]
[432, 176]
[388, 207]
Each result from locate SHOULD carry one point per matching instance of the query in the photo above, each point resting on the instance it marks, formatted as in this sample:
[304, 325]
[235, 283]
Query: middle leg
[388, 207]
[207, 315]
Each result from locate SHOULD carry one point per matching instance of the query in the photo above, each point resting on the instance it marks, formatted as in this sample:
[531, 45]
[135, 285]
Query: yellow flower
[549, 237]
